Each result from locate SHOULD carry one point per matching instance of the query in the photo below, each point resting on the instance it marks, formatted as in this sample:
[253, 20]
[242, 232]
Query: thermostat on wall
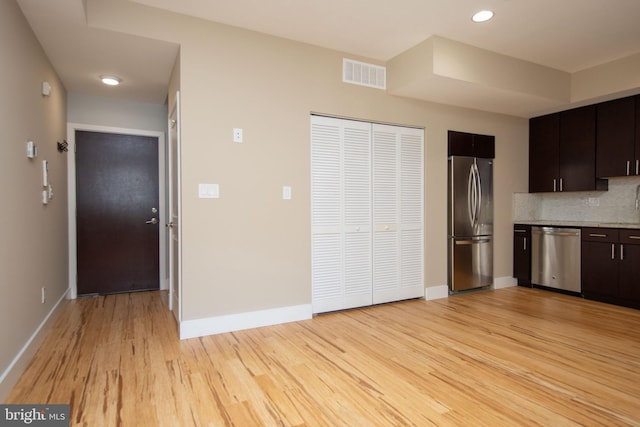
[46, 88]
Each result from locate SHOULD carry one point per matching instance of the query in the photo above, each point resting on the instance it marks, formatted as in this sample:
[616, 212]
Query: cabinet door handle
[613, 251]
[525, 244]
[597, 235]
[561, 189]
[628, 166]
[637, 167]
[554, 185]
[634, 237]
[621, 252]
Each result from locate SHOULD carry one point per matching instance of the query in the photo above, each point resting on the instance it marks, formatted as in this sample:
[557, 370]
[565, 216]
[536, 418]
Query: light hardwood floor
[498, 358]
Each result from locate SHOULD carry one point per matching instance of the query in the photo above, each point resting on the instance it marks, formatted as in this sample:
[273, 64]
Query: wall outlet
[237, 135]
[44, 294]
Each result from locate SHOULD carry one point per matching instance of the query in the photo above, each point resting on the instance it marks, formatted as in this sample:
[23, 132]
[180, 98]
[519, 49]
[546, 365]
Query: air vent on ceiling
[364, 74]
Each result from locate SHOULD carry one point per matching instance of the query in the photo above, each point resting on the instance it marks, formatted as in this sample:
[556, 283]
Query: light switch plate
[208, 191]
[286, 192]
[32, 151]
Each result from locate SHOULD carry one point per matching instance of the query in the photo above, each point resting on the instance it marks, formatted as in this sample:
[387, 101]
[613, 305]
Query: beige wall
[114, 112]
[618, 77]
[34, 248]
[249, 250]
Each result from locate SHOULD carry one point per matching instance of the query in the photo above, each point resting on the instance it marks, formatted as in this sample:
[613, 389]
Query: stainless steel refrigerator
[470, 223]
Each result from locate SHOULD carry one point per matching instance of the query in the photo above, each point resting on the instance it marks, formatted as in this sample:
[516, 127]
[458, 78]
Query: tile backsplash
[614, 206]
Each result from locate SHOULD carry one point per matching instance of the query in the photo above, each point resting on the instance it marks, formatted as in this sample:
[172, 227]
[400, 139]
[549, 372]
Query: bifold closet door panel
[341, 214]
[398, 242]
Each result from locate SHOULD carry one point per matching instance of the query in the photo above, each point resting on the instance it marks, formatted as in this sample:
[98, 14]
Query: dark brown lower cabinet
[599, 263]
[522, 254]
[610, 265]
[630, 267]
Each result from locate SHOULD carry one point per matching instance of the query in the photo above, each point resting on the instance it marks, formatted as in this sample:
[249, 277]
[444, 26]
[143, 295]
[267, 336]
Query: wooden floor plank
[513, 356]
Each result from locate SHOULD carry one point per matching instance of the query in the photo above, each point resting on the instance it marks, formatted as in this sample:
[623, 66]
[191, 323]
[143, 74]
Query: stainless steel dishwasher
[555, 258]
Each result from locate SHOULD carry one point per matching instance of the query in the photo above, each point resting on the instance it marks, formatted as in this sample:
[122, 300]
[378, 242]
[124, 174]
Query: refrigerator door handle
[474, 241]
[471, 199]
[478, 192]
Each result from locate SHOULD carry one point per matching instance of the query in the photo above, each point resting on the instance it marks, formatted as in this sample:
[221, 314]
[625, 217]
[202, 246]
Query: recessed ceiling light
[110, 80]
[482, 16]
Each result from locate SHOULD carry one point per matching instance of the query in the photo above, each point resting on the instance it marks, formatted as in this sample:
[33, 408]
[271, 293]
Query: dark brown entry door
[117, 201]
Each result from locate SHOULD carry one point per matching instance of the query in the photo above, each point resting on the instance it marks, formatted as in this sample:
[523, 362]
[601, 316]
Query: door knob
[152, 221]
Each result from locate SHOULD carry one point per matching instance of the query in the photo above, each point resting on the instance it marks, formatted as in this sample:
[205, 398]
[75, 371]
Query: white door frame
[71, 189]
[175, 197]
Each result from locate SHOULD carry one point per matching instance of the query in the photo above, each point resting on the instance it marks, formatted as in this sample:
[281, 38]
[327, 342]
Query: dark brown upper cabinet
[578, 149]
[544, 149]
[562, 152]
[617, 139]
[471, 145]
[637, 126]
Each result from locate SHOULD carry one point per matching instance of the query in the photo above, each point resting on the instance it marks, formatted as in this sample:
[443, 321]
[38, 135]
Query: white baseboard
[236, 322]
[12, 374]
[436, 292]
[504, 282]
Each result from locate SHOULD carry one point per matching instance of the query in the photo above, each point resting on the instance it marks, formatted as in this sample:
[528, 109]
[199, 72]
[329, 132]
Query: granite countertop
[556, 223]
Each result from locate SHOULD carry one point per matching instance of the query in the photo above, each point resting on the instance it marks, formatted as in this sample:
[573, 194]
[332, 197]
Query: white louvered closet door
[340, 214]
[398, 230]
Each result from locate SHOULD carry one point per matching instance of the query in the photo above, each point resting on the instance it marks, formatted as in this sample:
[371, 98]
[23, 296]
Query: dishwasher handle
[553, 231]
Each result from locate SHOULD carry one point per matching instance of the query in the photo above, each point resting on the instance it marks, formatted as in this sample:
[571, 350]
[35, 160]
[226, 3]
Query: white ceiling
[80, 54]
[568, 35]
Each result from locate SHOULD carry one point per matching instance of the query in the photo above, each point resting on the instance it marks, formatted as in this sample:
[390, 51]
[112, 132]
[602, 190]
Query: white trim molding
[504, 282]
[436, 292]
[237, 322]
[12, 374]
